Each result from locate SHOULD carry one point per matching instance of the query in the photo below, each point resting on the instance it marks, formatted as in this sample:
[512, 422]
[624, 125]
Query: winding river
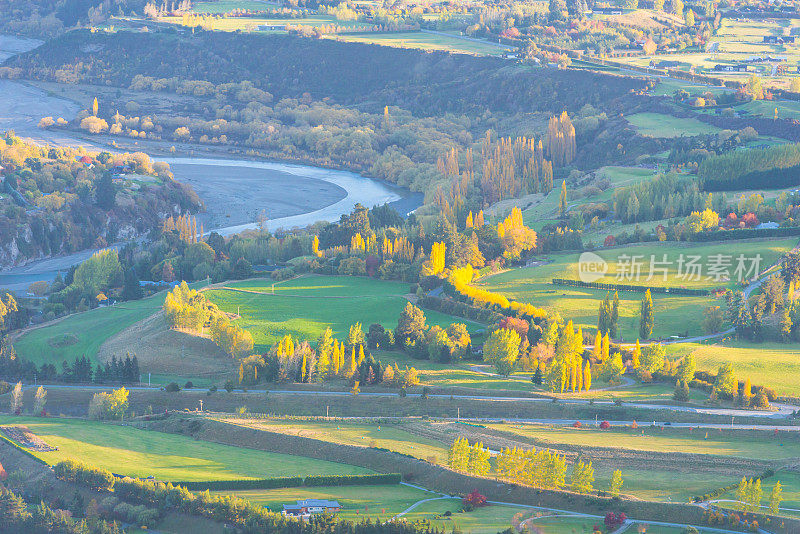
[235, 192]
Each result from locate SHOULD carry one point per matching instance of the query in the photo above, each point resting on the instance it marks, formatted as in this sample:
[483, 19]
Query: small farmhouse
[310, 507]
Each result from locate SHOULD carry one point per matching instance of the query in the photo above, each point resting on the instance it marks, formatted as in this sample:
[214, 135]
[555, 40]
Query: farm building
[310, 507]
[779, 39]
[730, 68]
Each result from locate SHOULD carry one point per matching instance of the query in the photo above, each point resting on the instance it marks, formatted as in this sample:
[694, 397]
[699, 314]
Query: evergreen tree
[614, 315]
[131, 290]
[646, 319]
[604, 316]
[681, 392]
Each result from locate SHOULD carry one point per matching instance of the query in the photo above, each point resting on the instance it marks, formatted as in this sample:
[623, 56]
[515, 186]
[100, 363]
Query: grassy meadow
[776, 365]
[424, 41]
[665, 126]
[304, 307]
[142, 453]
[82, 334]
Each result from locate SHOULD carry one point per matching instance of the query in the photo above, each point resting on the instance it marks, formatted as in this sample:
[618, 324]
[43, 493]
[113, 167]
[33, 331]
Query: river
[235, 192]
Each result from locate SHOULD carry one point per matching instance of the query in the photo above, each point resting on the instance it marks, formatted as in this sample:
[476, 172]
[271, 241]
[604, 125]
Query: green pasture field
[142, 453]
[776, 365]
[659, 484]
[231, 24]
[424, 41]
[597, 235]
[564, 524]
[787, 109]
[675, 315]
[82, 334]
[358, 502]
[624, 176]
[305, 306]
[660, 393]
[757, 445]
[432, 373]
[545, 211]
[660, 125]
[486, 520]
[620, 263]
[390, 437]
[225, 6]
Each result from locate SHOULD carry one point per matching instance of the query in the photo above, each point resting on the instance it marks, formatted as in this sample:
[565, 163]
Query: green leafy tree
[725, 383]
[562, 200]
[686, 369]
[616, 483]
[411, 324]
[582, 477]
[458, 455]
[478, 463]
[741, 493]
[652, 359]
[355, 336]
[502, 350]
[775, 498]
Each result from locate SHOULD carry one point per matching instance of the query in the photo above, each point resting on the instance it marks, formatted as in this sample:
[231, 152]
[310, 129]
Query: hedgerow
[637, 288]
[293, 482]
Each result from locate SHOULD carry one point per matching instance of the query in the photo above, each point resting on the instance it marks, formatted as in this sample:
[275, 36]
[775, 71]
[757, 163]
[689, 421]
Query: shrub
[474, 500]
[605, 425]
[172, 387]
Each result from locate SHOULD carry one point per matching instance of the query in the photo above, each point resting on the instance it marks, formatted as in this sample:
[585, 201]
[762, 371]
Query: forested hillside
[55, 200]
[50, 17]
[429, 83]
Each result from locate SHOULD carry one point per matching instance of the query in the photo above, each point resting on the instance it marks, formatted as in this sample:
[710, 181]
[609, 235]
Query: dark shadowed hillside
[372, 76]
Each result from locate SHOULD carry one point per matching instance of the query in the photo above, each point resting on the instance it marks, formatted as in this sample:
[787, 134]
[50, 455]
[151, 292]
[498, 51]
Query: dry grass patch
[161, 350]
